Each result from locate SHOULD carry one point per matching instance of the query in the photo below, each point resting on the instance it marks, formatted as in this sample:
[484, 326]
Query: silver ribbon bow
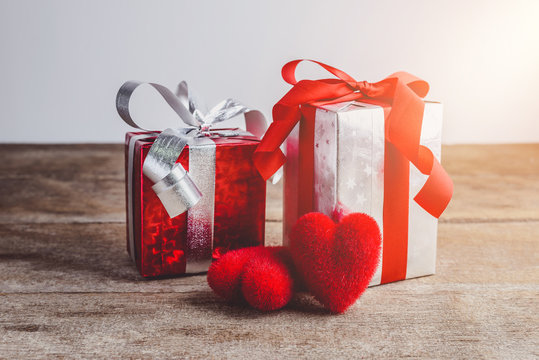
[172, 184]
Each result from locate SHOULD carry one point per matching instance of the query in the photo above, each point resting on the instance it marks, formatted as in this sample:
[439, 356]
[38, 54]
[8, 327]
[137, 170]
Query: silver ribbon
[178, 190]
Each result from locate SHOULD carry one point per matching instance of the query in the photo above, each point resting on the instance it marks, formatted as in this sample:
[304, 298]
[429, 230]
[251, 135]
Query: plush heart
[267, 282]
[224, 273]
[336, 261]
[260, 275]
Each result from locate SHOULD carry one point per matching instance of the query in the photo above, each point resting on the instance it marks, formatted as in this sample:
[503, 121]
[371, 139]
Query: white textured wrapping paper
[349, 169]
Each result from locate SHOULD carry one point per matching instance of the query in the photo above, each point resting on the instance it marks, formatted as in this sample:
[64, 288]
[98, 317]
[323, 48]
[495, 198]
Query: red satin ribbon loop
[289, 72]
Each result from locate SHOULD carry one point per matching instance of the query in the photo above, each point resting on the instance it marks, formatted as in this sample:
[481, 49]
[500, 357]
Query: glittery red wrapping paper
[239, 215]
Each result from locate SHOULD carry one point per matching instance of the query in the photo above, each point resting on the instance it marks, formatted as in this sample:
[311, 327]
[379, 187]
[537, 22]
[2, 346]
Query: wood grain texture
[68, 288]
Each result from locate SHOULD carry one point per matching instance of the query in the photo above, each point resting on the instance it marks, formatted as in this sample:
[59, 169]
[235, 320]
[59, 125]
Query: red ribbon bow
[401, 96]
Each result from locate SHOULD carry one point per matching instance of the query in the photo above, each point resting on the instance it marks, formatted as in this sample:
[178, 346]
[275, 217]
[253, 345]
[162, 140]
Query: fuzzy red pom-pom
[266, 281]
[336, 261]
[224, 273]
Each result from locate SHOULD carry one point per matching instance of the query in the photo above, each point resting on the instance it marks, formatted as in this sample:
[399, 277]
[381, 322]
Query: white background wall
[61, 62]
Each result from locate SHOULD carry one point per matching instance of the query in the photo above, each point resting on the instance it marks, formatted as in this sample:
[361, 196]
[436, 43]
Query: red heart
[336, 261]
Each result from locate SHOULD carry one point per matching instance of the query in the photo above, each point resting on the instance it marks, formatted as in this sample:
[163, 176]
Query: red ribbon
[401, 96]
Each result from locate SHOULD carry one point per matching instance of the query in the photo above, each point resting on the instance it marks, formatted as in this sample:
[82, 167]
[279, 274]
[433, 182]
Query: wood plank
[64, 162]
[62, 183]
[81, 258]
[274, 201]
[73, 183]
[488, 198]
[493, 182]
[452, 321]
[89, 160]
[84, 183]
[42, 199]
[501, 159]
[92, 258]
[53, 200]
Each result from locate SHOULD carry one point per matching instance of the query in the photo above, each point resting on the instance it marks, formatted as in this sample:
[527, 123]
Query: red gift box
[158, 243]
[193, 192]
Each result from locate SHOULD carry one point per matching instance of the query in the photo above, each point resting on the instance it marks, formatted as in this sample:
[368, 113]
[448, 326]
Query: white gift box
[349, 146]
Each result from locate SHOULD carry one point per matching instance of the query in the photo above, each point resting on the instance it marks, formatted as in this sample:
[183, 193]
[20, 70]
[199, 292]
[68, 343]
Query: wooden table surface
[68, 288]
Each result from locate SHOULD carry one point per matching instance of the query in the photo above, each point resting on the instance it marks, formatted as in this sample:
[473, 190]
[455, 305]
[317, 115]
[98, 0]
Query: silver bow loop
[225, 110]
[128, 88]
[190, 100]
[172, 184]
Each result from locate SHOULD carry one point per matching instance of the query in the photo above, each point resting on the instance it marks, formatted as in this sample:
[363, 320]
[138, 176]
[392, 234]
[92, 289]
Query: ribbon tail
[255, 123]
[436, 194]
[268, 157]
[404, 129]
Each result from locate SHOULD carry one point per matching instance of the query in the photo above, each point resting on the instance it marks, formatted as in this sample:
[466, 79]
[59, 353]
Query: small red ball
[267, 281]
[224, 273]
